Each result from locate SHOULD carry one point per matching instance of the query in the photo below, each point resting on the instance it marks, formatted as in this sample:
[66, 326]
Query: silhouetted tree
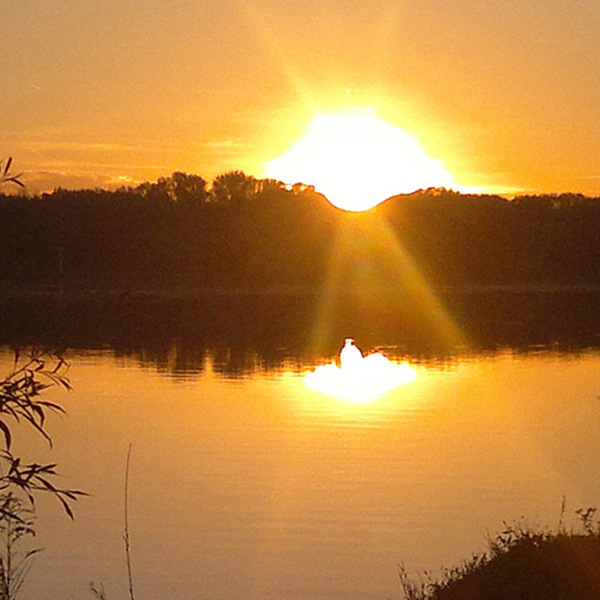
[233, 187]
[187, 189]
[270, 186]
[184, 189]
[252, 232]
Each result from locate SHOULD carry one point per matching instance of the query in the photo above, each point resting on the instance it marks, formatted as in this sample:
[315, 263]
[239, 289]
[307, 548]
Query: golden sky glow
[504, 94]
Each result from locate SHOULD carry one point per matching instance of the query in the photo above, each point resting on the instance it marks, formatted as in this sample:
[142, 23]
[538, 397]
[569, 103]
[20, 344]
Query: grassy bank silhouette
[522, 563]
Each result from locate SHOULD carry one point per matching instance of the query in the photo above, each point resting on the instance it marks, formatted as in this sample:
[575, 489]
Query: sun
[358, 160]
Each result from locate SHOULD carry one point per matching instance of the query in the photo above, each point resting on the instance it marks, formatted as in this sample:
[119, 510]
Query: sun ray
[372, 279]
[267, 33]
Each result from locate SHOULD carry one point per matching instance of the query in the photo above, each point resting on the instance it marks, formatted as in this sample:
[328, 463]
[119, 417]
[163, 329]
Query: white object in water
[350, 355]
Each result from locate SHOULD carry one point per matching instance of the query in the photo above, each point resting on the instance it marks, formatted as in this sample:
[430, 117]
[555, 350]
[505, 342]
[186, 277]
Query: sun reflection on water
[359, 379]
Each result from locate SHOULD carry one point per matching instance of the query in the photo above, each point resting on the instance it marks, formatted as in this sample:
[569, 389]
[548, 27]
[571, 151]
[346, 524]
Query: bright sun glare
[359, 379]
[357, 161]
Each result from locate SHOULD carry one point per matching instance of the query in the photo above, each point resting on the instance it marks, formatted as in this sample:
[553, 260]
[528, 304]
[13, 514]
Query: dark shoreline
[101, 291]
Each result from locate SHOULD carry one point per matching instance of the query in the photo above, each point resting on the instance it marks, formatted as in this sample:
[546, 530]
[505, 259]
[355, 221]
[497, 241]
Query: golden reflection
[359, 379]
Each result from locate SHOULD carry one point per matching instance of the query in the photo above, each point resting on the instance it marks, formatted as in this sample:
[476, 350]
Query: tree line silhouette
[260, 233]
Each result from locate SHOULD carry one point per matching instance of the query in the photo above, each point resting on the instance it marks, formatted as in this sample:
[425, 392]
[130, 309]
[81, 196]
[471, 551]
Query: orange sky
[506, 94]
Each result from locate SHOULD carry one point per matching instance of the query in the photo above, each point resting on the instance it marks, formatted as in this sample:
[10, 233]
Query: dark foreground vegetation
[523, 563]
[23, 401]
[250, 233]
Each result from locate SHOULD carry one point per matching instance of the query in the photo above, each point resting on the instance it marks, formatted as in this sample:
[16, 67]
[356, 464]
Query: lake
[245, 483]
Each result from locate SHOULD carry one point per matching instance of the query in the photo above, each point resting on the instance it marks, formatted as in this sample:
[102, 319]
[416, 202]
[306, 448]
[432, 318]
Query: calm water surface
[257, 487]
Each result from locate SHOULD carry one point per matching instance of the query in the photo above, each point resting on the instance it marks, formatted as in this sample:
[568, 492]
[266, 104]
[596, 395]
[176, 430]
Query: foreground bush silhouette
[523, 564]
[22, 401]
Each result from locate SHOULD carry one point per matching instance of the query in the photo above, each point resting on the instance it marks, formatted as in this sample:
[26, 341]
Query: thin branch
[6, 176]
[126, 535]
